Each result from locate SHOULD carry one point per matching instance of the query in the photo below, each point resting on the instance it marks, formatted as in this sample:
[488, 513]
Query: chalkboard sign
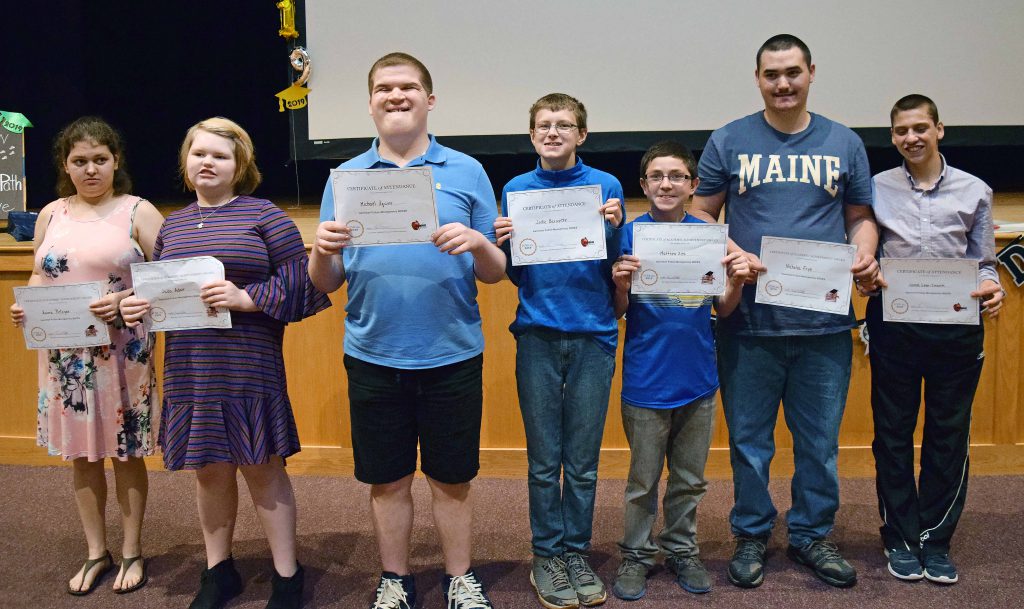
[12, 172]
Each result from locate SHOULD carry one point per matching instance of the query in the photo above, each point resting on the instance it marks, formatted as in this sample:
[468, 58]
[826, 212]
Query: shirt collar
[913, 183]
[436, 154]
[562, 176]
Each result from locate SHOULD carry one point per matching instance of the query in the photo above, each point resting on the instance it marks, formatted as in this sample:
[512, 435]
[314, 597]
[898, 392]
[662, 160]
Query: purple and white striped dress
[225, 398]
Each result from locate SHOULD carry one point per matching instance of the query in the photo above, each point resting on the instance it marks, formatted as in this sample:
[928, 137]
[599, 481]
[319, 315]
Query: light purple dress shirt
[952, 219]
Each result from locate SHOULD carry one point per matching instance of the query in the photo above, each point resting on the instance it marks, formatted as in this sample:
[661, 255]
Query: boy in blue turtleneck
[566, 335]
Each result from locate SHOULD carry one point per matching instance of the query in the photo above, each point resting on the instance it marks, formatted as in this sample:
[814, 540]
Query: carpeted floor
[44, 545]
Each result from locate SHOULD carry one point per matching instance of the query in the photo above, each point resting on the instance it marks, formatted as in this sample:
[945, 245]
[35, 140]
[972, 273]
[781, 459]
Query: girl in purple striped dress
[225, 405]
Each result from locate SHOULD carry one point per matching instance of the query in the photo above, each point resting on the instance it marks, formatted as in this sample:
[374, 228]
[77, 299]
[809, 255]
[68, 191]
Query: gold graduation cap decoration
[293, 98]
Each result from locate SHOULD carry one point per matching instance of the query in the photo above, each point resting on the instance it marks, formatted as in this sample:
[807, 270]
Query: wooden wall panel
[317, 384]
[318, 389]
[18, 365]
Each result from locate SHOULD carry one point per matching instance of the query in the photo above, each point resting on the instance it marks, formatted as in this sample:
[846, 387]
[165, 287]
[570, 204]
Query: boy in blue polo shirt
[668, 407]
[413, 339]
[566, 337]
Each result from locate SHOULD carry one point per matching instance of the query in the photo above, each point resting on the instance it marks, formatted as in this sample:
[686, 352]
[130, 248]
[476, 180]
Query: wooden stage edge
[510, 463]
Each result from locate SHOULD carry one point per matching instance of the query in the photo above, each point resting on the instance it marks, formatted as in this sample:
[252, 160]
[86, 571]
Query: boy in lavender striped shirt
[925, 208]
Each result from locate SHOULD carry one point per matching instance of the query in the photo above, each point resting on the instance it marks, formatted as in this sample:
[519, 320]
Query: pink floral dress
[95, 402]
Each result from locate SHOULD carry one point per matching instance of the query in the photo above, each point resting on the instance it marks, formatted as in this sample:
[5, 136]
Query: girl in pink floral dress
[96, 402]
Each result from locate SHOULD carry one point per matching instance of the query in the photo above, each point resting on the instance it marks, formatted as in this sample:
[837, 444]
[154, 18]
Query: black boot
[286, 591]
[217, 585]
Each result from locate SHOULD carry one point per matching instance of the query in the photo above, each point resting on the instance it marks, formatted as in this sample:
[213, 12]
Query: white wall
[655, 65]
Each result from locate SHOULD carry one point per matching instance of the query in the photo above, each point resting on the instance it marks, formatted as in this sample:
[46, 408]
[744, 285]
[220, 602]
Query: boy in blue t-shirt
[787, 172]
[668, 408]
[566, 336]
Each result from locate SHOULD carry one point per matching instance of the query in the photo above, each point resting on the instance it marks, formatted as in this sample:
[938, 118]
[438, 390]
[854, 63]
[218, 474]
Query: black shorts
[393, 409]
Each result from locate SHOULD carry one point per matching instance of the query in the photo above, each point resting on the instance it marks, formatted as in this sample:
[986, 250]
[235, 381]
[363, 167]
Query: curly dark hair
[89, 129]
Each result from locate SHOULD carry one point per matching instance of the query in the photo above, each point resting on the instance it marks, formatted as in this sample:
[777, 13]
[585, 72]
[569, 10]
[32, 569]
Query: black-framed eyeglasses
[562, 128]
[675, 178]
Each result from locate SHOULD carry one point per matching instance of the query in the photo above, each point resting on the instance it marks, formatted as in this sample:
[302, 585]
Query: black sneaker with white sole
[395, 592]
[940, 569]
[904, 564]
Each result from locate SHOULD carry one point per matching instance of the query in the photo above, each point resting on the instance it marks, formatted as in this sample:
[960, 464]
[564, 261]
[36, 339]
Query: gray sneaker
[588, 586]
[746, 569]
[551, 582]
[631, 580]
[690, 573]
[823, 557]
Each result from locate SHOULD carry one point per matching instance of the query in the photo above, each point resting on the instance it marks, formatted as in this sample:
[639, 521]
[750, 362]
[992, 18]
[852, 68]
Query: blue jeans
[810, 375]
[564, 380]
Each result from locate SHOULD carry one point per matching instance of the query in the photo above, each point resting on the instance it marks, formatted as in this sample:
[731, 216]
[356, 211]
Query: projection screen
[649, 67]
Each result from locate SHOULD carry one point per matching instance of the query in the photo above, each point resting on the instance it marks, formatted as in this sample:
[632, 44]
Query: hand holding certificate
[556, 225]
[385, 206]
[173, 287]
[809, 275]
[58, 316]
[930, 290]
[679, 258]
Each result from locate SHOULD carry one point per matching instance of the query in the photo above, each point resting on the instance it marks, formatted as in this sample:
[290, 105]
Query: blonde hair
[247, 176]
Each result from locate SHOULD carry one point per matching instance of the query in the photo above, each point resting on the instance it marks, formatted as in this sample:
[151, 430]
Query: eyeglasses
[675, 178]
[562, 128]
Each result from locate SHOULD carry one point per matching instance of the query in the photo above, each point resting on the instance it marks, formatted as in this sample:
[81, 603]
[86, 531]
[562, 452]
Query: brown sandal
[126, 563]
[108, 562]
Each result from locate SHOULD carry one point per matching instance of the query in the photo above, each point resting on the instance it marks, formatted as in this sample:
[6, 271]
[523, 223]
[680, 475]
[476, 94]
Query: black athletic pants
[948, 359]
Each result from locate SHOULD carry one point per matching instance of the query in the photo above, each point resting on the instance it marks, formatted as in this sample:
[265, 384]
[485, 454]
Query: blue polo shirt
[412, 306]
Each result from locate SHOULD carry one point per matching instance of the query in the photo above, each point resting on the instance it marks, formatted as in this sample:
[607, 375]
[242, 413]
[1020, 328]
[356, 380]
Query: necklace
[203, 219]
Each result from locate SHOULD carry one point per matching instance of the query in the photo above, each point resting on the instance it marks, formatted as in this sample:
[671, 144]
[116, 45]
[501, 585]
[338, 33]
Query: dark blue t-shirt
[784, 185]
[669, 355]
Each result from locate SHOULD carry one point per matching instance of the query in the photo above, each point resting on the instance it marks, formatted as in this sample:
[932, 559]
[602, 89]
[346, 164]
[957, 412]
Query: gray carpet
[44, 546]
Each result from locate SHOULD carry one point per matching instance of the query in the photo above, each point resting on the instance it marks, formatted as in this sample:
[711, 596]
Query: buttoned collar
[913, 182]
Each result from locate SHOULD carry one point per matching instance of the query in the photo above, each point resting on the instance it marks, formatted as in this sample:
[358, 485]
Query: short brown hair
[669, 148]
[913, 102]
[98, 131]
[560, 101]
[247, 176]
[783, 42]
[401, 59]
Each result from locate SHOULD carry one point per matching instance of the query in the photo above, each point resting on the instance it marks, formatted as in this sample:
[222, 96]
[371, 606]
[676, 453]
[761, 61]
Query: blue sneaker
[904, 564]
[940, 569]
[690, 573]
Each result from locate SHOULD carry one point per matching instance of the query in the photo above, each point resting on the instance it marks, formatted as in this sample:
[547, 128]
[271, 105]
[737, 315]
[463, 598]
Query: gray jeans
[681, 436]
